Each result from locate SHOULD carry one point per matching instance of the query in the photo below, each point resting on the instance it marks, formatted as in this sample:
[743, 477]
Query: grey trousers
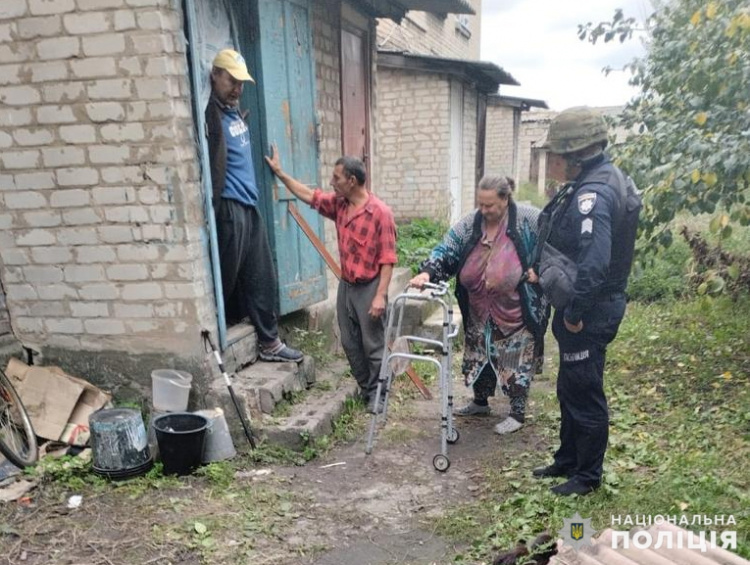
[362, 336]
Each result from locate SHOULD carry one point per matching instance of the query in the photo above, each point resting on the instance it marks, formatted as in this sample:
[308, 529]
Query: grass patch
[416, 240]
[529, 192]
[677, 381]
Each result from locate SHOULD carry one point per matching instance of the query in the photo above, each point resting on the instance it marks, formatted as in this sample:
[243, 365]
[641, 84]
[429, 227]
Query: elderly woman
[504, 314]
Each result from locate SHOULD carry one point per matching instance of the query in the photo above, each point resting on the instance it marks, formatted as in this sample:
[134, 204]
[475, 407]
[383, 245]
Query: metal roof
[487, 76]
[516, 102]
[396, 9]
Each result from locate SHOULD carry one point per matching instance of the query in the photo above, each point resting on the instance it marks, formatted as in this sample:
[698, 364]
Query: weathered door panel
[286, 84]
[354, 95]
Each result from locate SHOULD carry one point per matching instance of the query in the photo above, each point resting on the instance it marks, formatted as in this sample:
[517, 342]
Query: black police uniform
[590, 231]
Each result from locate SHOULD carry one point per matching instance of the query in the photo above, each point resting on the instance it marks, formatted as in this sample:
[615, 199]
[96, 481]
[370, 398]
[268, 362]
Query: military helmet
[575, 129]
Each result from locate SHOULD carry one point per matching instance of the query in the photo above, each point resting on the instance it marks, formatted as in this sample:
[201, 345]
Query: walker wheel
[441, 463]
[453, 436]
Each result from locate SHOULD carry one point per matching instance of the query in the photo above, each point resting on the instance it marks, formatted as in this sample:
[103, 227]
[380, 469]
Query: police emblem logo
[577, 532]
[586, 202]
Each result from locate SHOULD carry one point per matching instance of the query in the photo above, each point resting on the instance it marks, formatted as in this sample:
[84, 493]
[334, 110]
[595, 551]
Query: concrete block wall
[534, 126]
[434, 34]
[469, 169]
[413, 143]
[100, 201]
[500, 142]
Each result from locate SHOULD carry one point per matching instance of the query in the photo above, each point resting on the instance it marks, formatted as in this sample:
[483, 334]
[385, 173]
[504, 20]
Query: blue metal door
[286, 86]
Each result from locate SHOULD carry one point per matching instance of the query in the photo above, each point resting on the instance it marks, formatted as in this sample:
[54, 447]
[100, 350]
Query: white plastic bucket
[171, 390]
[219, 444]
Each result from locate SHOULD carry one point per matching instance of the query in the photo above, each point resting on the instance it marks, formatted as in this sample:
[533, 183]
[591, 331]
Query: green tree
[692, 115]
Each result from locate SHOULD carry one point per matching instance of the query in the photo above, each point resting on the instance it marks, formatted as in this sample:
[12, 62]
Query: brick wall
[434, 34]
[413, 143]
[534, 126]
[499, 151]
[101, 207]
[469, 168]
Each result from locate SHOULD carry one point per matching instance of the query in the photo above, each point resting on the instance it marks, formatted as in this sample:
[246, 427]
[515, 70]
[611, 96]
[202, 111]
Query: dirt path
[379, 509]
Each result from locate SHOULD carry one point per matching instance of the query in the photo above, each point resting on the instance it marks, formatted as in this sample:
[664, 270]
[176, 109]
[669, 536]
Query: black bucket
[119, 443]
[181, 437]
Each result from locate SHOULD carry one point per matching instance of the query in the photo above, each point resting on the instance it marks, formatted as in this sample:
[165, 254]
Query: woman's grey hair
[503, 186]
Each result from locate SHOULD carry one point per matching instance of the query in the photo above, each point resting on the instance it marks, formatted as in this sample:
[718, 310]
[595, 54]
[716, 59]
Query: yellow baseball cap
[233, 63]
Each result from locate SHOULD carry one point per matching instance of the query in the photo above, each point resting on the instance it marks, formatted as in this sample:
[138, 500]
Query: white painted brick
[42, 219]
[105, 111]
[25, 200]
[149, 195]
[29, 159]
[35, 237]
[127, 214]
[11, 74]
[124, 20]
[63, 156]
[138, 111]
[152, 43]
[7, 32]
[77, 236]
[89, 309]
[14, 256]
[48, 72]
[161, 214]
[19, 95]
[51, 255]
[130, 66]
[176, 254]
[78, 134]
[5, 140]
[104, 327]
[141, 291]
[45, 26]
[116, 234]
[142, 326]
[88, 23]
[16, 52]
[81, 217]
[93, 67]
[36, 136]
[84, 273]
[70, 92]
[64, 325]
[104, 44]
[181, 290]
[122, 132]
[153, 233]
[161, 66]
[144, 3]
[135, 253]
[110, 88]
[59, 291]
[29, 325]
[55, 115]
[44, 7]
[7, 182]
[114, 195]
[103, 291]
[94, 254]
[121, 175]
[127, 272]
[77, 176]
[69, 198]
[13, 275]
[35, 181]
[99, 4]
[43, 274]
[59, 48]
[10, 9]
[47, 310]
[155, 88]
[108, 154]
[134, 311]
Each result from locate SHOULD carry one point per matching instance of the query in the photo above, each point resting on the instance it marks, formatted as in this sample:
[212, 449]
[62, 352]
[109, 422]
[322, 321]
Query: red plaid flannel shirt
[366, 240]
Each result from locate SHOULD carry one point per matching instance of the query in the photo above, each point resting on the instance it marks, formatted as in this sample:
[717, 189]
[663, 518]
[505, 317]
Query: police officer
[594, 224]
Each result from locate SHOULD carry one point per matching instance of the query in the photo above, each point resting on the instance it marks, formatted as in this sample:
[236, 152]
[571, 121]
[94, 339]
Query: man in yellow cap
[247, 270]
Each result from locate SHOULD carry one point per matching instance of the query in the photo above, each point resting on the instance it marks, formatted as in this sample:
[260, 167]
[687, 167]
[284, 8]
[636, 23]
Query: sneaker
[574, 486]
[472, 409]
[283, 354]
[376, 406]
[508, 426]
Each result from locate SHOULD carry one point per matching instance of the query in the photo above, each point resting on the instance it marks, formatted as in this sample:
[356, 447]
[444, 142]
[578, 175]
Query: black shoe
[574, 486]
[550, 471]
[284, 355]
[375, 405]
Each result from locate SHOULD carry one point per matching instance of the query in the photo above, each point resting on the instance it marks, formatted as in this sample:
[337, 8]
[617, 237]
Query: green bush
[415, 241]
[664, 277]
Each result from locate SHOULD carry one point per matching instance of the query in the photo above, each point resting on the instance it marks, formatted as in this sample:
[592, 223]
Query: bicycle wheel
[17, 438]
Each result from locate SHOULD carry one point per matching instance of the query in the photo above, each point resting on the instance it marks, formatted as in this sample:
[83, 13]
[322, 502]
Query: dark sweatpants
[248, 275]
[584, 429]
[362, 336]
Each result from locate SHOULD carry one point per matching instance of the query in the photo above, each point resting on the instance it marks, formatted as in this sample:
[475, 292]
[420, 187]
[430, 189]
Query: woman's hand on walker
[420, 280]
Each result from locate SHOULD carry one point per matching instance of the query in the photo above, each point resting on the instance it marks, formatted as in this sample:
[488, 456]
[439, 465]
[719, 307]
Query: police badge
[586, 202]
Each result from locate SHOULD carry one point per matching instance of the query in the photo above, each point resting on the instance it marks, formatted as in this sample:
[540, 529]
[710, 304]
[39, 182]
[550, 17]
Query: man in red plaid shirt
[366, 234]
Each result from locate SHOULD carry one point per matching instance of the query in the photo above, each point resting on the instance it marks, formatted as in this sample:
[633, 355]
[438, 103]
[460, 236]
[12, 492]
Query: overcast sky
[536, 41]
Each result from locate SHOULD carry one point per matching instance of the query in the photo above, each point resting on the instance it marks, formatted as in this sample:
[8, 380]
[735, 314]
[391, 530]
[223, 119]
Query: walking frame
[440, 294]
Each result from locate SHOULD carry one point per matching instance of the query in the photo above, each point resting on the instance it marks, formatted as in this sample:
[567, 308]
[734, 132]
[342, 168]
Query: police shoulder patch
[586, 202]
